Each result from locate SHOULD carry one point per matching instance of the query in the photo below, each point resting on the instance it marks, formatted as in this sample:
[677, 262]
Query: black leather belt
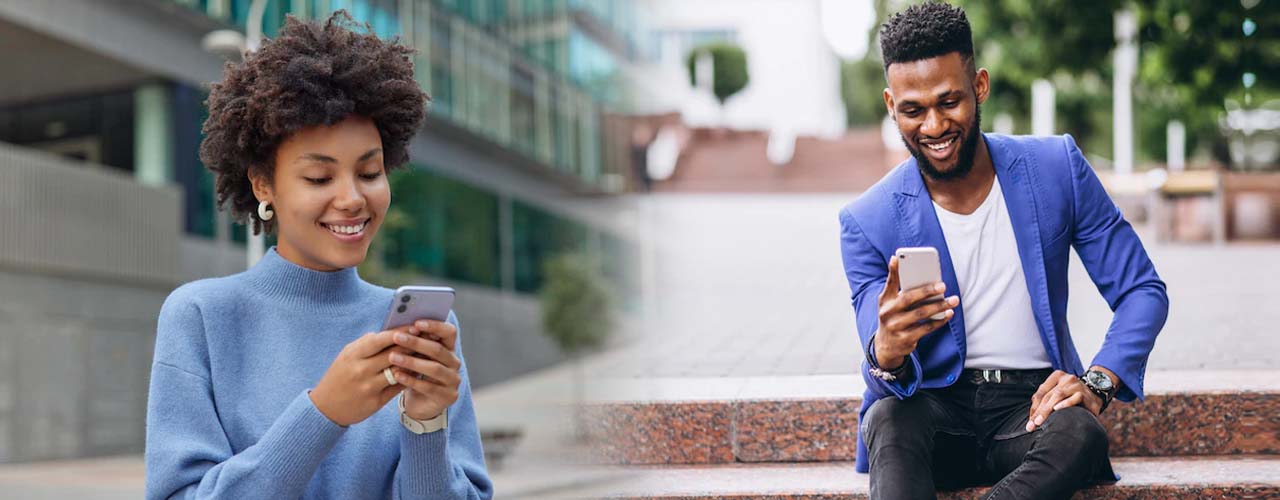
[1006, 376]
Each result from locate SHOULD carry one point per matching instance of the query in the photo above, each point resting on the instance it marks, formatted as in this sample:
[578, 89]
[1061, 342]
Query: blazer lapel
[1019, 186]
[919, 227]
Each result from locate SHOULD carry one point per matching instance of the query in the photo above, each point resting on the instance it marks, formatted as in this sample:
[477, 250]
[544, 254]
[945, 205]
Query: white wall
[795, 80]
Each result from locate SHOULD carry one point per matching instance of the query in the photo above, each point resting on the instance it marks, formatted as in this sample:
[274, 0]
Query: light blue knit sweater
[229, 415]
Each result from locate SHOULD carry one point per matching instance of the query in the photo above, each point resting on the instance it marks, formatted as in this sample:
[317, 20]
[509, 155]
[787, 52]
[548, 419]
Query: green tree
[861, 88]
[577, 313]
[729, 74]
[1193, 55]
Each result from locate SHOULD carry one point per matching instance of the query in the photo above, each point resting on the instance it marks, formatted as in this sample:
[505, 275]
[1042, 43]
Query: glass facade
[442, 227]
[539, 235]
[543, 98]
[447, 228]
[499, 68]
[97, 128]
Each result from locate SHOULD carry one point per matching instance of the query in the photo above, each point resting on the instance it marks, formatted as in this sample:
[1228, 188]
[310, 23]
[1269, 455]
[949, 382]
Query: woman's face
[329, 194]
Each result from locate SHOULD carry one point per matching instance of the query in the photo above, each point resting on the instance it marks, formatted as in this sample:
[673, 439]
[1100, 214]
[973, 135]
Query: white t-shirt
[999, 326]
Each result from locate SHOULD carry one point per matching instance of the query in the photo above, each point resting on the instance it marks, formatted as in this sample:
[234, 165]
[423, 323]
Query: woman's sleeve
[448, 463]
[188, 454]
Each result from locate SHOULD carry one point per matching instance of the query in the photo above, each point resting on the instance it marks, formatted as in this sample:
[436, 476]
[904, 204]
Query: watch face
[1100, 380]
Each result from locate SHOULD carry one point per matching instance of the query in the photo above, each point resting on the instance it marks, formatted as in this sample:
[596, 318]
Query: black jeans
[972, 434]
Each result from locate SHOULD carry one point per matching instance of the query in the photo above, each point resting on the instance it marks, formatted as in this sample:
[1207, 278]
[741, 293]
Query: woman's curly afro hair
[311, 74]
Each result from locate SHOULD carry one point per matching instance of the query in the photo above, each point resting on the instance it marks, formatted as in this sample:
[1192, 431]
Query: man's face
[935, 103]
[329, 193]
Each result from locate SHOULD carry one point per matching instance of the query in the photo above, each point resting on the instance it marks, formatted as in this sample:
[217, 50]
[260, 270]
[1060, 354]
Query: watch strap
[440, 422]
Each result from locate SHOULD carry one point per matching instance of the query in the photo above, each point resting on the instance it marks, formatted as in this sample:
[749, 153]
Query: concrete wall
[75, 357]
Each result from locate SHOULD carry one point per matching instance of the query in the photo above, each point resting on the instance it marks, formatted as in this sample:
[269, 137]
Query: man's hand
[1061, 390]
[904, 321]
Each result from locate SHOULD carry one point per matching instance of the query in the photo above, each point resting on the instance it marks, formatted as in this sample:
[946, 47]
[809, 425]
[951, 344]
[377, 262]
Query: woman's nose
[348, 198]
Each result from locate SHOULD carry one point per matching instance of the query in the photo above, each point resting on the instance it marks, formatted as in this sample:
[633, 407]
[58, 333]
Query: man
[993, 393]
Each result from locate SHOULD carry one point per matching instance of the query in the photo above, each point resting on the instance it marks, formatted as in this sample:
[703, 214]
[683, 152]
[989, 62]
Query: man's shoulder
[877, 201]
[1044, 150]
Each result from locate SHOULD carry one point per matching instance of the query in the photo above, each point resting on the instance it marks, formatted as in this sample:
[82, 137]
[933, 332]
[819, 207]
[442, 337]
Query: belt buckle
[987, 375]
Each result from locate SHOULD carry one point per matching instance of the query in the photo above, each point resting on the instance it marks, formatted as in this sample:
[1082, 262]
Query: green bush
[577, 310]
[729, 68]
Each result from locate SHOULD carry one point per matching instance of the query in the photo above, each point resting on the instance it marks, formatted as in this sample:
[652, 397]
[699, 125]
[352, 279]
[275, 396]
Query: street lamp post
[231, 44]
[1126, 60]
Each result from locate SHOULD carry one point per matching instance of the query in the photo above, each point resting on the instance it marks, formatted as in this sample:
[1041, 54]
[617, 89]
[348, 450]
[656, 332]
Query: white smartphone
[412, 303]
[917, 267]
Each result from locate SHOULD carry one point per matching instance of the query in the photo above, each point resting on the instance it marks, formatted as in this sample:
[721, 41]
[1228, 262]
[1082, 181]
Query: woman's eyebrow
[317, 157]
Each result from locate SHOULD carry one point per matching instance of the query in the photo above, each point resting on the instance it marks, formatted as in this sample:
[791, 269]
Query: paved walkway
[752, 285]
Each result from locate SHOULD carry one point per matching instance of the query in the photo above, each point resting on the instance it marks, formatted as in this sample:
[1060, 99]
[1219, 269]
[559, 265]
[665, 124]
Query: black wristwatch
[1100, 384]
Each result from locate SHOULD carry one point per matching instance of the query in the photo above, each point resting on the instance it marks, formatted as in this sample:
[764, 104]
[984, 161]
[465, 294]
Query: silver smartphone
[917, 267]
[412, 303]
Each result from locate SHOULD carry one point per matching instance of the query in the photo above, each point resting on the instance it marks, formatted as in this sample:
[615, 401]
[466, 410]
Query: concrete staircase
[1198, 435]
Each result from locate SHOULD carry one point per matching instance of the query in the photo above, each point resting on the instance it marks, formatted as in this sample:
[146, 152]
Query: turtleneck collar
[279, 278]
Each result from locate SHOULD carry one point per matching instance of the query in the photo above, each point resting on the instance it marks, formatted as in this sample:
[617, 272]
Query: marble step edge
[825, 429]
[1141, 478]
[604, 390]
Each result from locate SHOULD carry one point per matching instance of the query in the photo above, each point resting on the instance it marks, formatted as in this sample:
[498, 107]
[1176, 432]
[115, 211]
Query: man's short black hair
[926, 31]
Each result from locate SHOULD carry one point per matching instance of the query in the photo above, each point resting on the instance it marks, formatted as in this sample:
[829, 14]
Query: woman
[263, 385]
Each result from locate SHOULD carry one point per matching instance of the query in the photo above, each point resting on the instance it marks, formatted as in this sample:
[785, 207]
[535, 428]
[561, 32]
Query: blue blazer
[1055, 202]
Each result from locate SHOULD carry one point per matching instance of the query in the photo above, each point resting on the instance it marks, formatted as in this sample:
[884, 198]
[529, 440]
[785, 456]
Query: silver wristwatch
[1100, 384]
[423, 426]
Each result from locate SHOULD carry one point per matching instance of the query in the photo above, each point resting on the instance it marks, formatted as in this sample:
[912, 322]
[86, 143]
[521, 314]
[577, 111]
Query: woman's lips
[340, 233]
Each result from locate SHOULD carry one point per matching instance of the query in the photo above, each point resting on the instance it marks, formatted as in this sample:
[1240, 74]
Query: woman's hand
[354, 387]
[431, 395]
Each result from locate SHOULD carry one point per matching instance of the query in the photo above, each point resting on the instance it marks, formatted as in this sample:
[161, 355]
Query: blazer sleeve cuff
[904, 386]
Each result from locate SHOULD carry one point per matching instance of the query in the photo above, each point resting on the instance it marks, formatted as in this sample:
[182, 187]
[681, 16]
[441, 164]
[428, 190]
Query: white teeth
[347, 229]
[940, 146]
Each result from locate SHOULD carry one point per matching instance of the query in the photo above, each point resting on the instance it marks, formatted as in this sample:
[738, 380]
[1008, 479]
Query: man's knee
[894, 419]
[1078, 428]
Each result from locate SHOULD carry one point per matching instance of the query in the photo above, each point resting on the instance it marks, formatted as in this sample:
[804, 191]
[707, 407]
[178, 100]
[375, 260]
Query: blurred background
[679, 162]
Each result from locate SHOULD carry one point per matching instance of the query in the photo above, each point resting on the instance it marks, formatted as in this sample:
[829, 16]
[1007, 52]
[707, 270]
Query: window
[441, 65]
[539, 236]
[522, 110]
[442, 227]
[96, 128]
[189, 114]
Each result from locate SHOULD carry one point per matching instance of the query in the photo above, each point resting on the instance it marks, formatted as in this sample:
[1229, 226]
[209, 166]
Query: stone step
[1141, 478]
[815, 419]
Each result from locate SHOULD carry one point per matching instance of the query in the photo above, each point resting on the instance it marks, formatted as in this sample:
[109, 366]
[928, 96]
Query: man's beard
[964, 162]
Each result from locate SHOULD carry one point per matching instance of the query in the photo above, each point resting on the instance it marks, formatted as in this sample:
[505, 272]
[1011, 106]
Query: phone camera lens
[404, 298]
[401, 308]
